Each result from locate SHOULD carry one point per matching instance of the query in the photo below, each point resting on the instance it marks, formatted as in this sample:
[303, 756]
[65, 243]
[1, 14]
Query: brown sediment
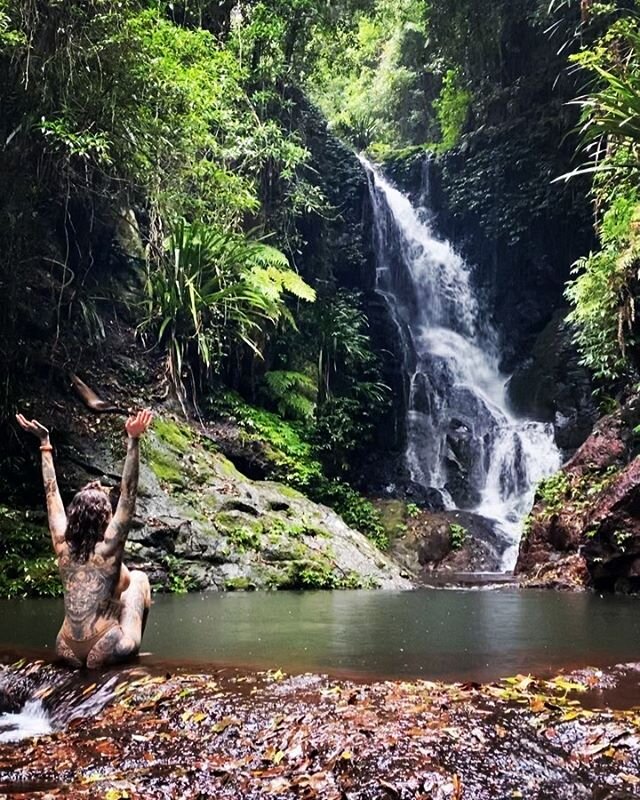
[619, 675]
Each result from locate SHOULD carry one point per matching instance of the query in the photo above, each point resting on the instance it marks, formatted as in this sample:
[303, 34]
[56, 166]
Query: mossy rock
[177, 436]
[393, 516]
[244, 539]
[164, 466]
[222, 467]
[288, 491]
[228, 521]
[240, 584]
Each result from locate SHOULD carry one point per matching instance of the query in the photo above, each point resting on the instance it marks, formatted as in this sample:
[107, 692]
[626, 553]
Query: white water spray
[462, 438]
[65, 703]
[32, 720]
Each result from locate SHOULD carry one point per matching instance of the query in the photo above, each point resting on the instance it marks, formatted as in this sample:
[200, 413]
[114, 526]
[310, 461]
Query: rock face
[205, 525]
[520, 237]
[448, 542]
[551, 385]
[584, 529]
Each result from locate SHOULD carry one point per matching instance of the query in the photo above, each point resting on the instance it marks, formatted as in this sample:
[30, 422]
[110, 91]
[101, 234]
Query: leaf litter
[309, 737]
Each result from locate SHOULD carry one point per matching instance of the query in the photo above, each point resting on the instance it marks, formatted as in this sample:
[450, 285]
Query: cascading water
[37, 699]
[32, 720]
[462, 438]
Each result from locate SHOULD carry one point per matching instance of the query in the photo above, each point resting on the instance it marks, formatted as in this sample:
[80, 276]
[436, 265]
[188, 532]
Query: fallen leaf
[223, 724]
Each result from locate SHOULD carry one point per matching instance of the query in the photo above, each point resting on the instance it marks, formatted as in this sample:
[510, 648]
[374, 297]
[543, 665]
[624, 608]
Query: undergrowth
[458, 535]
[27, 564]
[292, 460]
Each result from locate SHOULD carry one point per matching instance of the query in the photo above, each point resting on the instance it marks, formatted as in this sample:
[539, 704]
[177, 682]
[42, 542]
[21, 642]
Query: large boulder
[448, 542]
[584, 529]
[225, 531]
[202, 524]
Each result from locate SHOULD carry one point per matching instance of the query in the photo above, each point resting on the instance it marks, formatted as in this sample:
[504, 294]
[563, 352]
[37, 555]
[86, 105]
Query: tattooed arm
[55, 506]
[119, 527]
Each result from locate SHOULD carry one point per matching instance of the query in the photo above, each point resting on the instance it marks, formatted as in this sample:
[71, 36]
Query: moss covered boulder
[202, 524]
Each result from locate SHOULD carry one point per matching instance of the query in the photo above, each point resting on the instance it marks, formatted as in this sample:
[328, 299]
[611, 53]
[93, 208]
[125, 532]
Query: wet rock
[551, 385]
[158, 534]
[248, 455]
[212, 735]
[584, 529]
[449, 541]
[202, 524]
[201, 544]
[566, 574]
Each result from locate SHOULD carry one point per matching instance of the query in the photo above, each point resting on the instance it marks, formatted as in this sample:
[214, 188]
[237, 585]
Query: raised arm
[119, 526]
[55, 506]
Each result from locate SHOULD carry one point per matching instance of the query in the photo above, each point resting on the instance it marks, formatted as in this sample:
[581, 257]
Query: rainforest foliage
[170, 167]
[162, 170]
[605, 285]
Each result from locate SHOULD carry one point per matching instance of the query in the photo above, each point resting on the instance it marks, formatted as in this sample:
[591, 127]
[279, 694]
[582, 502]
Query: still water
[436, 634]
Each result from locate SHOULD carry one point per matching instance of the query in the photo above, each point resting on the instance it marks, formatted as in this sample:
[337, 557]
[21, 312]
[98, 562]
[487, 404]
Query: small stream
[430, 633]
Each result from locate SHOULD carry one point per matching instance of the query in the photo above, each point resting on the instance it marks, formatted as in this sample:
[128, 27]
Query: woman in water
[105, 605]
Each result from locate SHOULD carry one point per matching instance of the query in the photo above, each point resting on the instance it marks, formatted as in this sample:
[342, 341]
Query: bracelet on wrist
[47, 447]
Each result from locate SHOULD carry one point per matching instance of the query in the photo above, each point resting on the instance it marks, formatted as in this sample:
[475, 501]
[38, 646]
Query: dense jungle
[373, 266]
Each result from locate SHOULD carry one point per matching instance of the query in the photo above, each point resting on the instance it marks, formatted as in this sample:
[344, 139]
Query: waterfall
[462, 438]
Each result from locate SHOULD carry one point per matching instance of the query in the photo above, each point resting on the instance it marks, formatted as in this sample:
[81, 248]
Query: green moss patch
[177, 436]
[164, 466]
[239, 584]
[27, 563]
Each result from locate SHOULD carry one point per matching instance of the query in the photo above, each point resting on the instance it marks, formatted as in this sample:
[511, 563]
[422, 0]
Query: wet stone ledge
[233, 734]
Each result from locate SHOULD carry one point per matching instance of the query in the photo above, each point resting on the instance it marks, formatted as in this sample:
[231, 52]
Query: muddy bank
[231, 734]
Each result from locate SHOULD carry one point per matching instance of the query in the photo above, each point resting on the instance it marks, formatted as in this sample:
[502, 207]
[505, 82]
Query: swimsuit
[82, 647]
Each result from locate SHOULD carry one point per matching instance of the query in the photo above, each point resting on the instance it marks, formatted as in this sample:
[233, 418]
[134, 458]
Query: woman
[105, 605]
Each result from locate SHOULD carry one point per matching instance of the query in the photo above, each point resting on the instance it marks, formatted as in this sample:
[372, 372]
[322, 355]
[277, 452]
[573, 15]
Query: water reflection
[428, 633]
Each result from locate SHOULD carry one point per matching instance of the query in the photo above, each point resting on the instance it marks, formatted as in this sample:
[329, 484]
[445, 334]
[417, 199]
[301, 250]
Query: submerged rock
[584, 530]
[247, 735]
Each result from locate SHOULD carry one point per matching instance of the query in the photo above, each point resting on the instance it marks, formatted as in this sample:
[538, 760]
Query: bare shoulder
[60, 547]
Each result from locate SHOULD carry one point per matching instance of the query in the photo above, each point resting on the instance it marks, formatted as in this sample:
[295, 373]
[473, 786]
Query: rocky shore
[231, 734]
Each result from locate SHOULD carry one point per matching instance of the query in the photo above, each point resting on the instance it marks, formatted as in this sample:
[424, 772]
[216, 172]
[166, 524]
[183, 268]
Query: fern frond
[213, 288]
[293, 393]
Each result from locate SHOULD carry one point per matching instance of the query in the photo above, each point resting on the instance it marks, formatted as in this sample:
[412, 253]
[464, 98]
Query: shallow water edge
[430, 633]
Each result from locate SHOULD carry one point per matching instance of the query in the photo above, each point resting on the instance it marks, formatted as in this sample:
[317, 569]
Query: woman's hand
[33, 427]
[136, 425]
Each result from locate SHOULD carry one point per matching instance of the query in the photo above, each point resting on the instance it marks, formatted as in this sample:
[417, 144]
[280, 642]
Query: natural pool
[431, 633]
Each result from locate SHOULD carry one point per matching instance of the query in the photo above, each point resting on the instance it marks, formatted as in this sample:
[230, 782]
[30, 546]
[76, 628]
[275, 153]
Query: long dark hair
[88, 515]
